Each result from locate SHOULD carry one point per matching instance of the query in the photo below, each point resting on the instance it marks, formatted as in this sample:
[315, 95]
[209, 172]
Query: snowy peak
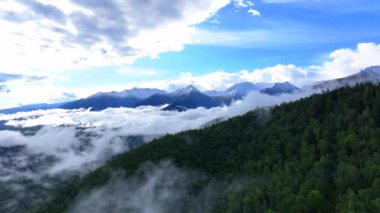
[242, 89]
[216, 93]
[281, 88]
[371, 72]
[185, 91]
[140, 93]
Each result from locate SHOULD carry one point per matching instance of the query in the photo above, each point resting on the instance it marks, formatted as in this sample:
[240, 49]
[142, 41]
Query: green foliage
[319, 154]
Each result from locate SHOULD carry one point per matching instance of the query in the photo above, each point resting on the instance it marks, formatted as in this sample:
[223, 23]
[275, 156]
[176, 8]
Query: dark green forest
[318, 154]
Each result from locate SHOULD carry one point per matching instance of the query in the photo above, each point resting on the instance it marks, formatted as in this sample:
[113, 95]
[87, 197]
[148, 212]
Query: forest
[318, 154]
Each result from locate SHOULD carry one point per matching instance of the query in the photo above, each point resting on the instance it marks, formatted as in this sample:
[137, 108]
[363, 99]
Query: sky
[60, 50]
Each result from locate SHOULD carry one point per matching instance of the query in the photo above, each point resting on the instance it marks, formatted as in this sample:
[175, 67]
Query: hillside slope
[319, 154]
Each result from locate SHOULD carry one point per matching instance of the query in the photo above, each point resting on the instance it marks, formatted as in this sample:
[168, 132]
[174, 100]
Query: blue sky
[81, 47]
[310, 29]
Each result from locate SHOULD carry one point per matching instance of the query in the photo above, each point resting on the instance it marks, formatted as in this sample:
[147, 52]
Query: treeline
[319, 154]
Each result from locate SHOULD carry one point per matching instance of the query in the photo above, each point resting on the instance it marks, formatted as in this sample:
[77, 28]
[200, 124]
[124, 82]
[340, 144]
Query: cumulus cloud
[347, 61]
[80, 33]
[254, 12]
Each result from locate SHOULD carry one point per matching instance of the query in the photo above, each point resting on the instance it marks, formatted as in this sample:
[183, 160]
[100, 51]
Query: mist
[161, 188]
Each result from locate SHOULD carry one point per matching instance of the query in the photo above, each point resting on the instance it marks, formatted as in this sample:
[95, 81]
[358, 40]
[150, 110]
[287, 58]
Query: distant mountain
[239, 90]
[185, 98]
[168, 98]
[281, 88]
[183, 91]
[156, 100]
[140, 93]
[242, 89]
[215, 93]
[370, 74]
[101, 102]
[31, 107]
[191, 98]
[181, 99]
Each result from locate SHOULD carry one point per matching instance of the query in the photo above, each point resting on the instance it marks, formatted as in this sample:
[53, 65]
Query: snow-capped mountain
[140, 93]
[281, 88]
[239, 90]
[185, 98]
[184, 91]
[242, 89]
[216, 93]
[191, 98]
[103, 100]
[370, 74]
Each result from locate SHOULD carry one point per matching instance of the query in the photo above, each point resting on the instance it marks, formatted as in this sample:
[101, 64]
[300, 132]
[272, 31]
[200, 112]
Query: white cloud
[130, 71]
[246, 4]
[215, 21]
[345, 62]
[49, 36]
[254, 12]
[260, 38]
[242, 3]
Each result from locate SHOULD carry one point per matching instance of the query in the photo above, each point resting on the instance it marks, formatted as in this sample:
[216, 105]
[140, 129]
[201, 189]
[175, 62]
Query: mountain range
[190, 97]
[370, 74]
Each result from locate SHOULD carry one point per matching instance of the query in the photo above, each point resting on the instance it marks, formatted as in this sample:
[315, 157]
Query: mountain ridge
[136, 97]
[370, 74]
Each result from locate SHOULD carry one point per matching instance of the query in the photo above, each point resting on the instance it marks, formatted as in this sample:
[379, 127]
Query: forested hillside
[319, 154]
